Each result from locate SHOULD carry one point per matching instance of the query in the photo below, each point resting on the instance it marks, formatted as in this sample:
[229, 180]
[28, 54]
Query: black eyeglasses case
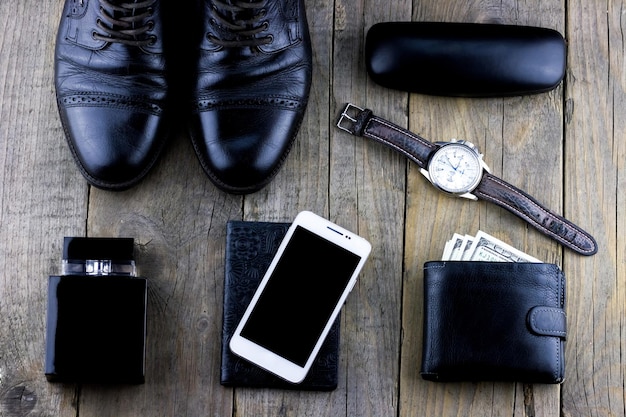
[465, 59]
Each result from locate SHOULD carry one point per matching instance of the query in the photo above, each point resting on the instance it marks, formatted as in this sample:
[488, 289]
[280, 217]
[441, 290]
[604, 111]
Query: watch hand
[450, 163]
[460, 160]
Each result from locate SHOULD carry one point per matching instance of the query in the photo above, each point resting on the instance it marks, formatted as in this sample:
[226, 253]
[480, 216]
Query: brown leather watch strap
[505, 195]
[361, 122]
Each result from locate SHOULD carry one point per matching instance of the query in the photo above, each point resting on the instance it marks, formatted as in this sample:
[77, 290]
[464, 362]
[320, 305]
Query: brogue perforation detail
[279, 102]
[98, 100]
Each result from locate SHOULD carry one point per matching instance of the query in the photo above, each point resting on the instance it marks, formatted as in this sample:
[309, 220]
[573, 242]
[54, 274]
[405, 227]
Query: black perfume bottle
[96, 325]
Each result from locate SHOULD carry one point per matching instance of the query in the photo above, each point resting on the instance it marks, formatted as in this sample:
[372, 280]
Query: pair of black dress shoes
[238, 70]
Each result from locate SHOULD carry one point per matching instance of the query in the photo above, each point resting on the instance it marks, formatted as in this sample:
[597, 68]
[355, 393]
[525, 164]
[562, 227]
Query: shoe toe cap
[242, 149]
[114, 148]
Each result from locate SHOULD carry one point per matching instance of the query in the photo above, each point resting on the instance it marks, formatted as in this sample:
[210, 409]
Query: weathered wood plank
[367, 193]
[517, 135]
[595, 136]
[302, 184]
[41, 199]
[178, 219]
[345, 202]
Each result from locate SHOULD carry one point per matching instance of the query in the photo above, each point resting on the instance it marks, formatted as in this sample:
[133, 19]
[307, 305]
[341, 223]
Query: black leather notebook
[250, 248]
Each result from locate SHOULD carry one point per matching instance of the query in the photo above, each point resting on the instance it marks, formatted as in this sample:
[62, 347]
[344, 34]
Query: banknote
[482, 247]
[452, 248]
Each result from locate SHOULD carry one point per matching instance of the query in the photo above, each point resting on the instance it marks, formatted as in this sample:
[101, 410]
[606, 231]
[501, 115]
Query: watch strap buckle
[352, 119]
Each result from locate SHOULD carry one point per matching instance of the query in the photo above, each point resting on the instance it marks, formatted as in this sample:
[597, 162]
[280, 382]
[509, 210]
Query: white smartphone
[300, 296]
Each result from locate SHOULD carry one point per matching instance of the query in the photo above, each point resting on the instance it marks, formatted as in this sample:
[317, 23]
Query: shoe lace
[241, 21]
[125, 22]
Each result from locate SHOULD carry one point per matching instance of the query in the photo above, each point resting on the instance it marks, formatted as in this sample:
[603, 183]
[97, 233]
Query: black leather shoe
[254, 77]
[110, 79]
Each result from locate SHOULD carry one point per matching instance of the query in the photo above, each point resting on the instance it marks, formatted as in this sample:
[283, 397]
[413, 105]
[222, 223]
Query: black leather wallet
[488, 321]
[250, 248]
[465, 59]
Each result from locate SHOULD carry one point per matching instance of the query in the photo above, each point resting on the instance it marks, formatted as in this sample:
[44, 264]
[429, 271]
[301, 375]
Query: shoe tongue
[127, 7]
[126, 21]
[240, 23]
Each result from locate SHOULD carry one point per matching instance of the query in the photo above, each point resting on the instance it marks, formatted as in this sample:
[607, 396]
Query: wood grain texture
[566, 147]
[178, 222]
[369, 181]
[295, 189]
[519, 136]
[42, 198]
[594, 193]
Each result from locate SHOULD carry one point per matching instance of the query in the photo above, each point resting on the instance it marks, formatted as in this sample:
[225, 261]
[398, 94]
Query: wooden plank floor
[567, 147]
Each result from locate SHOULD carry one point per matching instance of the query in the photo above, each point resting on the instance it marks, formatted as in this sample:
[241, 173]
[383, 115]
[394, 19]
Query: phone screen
[299, 298]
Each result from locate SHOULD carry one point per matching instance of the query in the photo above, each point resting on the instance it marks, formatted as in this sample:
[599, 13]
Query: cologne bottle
[96, 324]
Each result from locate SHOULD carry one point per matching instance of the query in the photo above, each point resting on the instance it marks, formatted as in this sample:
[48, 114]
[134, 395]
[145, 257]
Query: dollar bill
[453, 247]
[483, 247]
[468, 240]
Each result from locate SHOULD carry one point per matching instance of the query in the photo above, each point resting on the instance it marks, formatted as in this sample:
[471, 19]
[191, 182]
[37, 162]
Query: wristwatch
[458, 169]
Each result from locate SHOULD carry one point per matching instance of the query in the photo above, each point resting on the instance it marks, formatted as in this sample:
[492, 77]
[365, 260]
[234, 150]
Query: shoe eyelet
[152, 40]
[150, 25]
[266, 25]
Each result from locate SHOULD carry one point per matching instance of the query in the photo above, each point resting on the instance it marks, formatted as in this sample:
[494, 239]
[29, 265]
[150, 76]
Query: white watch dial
[455, 168]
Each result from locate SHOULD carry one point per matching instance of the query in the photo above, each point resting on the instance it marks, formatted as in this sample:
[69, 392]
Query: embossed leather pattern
[250, 248]
[487, 321]
[491, 188]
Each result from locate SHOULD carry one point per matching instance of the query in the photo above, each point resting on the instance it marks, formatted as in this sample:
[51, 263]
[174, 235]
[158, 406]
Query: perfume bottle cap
[98, 256]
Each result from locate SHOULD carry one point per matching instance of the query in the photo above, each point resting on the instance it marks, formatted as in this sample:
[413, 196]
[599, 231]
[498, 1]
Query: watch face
[455, 168]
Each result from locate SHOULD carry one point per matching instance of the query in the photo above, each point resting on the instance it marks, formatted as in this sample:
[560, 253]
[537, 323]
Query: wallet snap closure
[547, 321]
